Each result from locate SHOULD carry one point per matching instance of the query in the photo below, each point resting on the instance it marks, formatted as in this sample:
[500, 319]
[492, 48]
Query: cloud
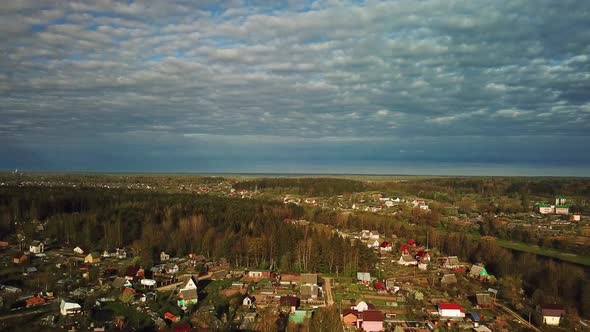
[320, 71]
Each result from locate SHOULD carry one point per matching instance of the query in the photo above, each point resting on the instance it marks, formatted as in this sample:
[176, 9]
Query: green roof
[544, 204]
[562, 206]
[560, 196]
[484, 273]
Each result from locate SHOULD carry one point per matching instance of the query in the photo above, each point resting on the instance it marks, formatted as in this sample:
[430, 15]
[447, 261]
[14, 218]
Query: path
[328, 287]
[517, 316]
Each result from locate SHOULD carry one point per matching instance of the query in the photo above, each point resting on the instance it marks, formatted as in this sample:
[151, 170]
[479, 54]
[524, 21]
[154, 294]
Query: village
[413, 286]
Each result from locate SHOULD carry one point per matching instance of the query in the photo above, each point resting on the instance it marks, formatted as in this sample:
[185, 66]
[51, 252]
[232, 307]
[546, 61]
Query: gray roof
[189, 294]
[449, 279]
[309, 278]
[483, 298]
[119, 282]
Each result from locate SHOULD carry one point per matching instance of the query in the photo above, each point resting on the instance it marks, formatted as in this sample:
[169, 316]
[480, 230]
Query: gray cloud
[291, 73]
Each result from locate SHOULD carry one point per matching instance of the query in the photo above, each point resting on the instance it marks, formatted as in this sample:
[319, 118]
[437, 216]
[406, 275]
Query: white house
[36, 247]
[79, 251]
[374, 235]
[248, 300]
[148, 282]
[407, 260]
[171, 268]
[188, 294]
[552, 314]
[373, 244]
[361, 306]
[164, 256]
[450, 310]
[69, 308]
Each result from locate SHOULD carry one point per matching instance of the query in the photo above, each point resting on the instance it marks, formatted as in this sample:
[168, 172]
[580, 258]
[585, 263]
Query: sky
[365, 87]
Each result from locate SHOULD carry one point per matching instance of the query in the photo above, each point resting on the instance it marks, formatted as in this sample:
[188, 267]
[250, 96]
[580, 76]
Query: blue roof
[475, 316]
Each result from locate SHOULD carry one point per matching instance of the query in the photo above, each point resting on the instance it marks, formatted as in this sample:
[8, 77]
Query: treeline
[304, 186]
[249, 233]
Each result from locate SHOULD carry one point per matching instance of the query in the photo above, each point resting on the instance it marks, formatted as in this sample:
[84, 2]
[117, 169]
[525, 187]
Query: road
[328, 289]
[517, 316]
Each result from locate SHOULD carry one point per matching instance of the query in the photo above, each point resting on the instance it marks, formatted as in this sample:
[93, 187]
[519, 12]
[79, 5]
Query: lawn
[535, 249]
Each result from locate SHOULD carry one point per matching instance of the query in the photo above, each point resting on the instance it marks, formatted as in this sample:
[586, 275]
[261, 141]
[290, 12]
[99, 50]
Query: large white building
[450, 310]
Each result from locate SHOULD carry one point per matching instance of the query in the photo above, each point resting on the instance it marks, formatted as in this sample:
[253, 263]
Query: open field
[535, 249]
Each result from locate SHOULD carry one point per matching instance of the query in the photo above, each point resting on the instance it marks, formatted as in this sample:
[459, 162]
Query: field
[535, 249]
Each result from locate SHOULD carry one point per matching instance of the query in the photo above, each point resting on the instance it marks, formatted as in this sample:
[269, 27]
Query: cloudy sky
[426, 87]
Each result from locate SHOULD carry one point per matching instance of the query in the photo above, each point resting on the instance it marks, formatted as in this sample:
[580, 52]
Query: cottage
[120, 282]
[552, 314]
[479, 272]
[79, 250]
[560, 200]
[423, 256]
[407, 260]
[171, 268]
[69, 308]
[545, 208]
[309, 291]
[148, 282]
[188, 294]
[576, 217]
[373, 244]
[248, 300]
[132, 272]
[363, 277]
[450, 310]
[291, 303]
[259, 274]
[92, 258]
[374, 235]
[562, 209]
[171, 317]
[164, 256]
[404, 249]
[36, 247]
[448, 279]
[350, 316]
[309, 278]
[370, 321]
[121, 253]
[483, 300]
[385, 246]
[451, 262]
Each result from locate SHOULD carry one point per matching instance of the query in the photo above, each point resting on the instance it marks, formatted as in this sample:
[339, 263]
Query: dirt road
[328, 289]
[517, 316]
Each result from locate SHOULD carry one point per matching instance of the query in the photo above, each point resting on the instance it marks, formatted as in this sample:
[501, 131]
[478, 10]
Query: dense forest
[249, 233]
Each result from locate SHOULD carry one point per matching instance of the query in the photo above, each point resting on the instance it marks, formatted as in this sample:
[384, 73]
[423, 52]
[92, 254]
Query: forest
[249, 233]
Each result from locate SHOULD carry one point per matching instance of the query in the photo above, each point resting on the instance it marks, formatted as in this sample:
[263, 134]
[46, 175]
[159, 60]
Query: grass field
[534, 249]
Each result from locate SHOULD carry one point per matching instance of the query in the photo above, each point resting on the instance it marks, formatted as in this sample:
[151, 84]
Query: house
[36, 247]
[171, 268]
[35, 300]
[483, 300]
[379, 286]
[309, 291]
[132, 272]
[120, 282]
[171, 317]
[164, 256]
[407, 260]
[350, 316]
[390, 284]
[69, 308]
[560, 200]
[289, 302]
[385, 246]
[404, 249]
[562, 209]
[259, 274]
[121, 253]
[362, 306]
[148, 282]
[423, 256]
[188, 294]
[363, 277]
[19, 257]
[365, 234]
[450, 310]
[309, 278]
[373, 235]
[3, 245]
[479, 272]
[106, 254]
[545, 208]
[79, 250]
[370, 321]
[92, 258]
[448, 279]
[248, 300]
[451, 262]
[576, 217]
[552, 314]
[373, 244]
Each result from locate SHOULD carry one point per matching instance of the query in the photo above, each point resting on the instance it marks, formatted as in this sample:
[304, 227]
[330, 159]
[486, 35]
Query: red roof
[182, 328]
[385, 244]
[404, 247]
[450, 306]
[128, 290]
[379, 285]
[411, 242]
[349, 312]
[170, 316]
[372, 316]
[422, 253]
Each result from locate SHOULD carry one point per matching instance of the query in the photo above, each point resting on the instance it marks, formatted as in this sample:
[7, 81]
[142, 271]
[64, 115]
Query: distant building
[36, 247]
[560, 200]
[69, 308]
[450, 310]
[188, 294]
[545, 208]
[562, 209]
